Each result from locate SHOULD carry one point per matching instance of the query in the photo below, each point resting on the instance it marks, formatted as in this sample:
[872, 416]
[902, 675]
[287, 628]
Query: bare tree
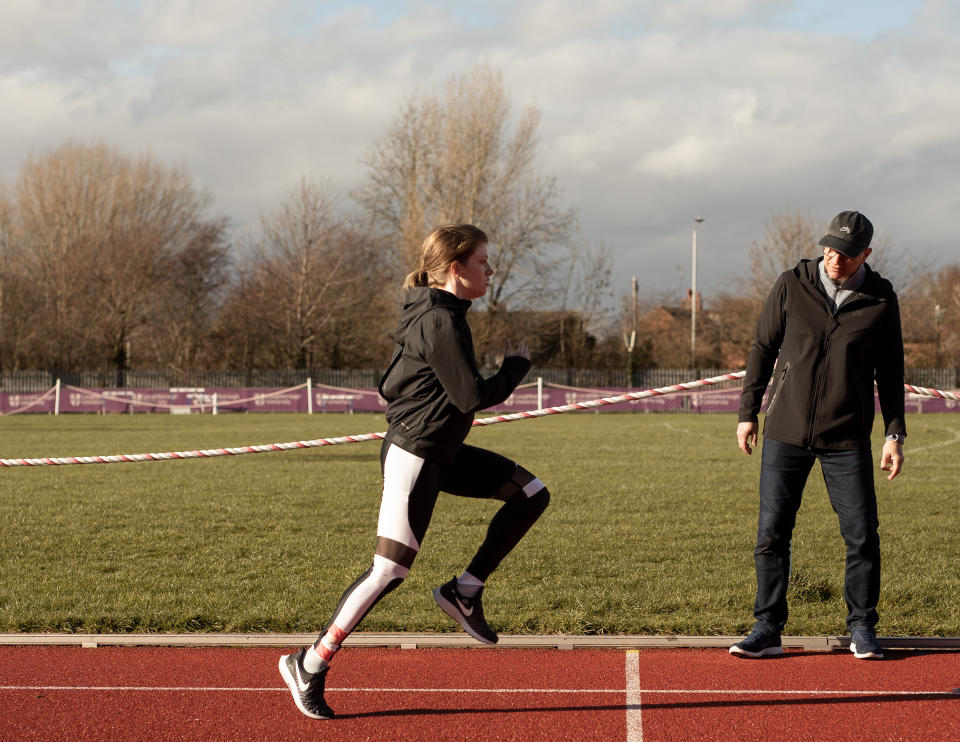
[311, 291]
[191, 298]
[454, 158]
[788, 238]
[583, 298]
[931, 318]
[16, 326]
[946, 294]
[99, 234]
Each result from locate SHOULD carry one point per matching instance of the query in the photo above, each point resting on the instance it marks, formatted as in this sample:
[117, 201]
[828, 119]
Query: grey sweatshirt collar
[838, 293]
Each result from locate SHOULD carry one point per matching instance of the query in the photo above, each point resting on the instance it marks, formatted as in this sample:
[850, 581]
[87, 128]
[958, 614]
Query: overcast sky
[654, 112]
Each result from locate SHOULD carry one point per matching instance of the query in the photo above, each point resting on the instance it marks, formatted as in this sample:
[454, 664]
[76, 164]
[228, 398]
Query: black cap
[850, 233]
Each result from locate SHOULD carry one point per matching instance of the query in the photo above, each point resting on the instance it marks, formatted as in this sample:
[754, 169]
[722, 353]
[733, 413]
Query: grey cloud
[647, 121]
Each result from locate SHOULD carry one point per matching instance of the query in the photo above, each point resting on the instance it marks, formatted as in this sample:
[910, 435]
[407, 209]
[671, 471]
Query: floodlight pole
[693, 297]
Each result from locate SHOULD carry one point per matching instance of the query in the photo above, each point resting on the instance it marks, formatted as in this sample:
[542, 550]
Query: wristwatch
[897, 437]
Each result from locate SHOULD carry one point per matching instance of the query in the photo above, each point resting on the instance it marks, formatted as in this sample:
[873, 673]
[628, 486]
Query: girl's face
[473, 275]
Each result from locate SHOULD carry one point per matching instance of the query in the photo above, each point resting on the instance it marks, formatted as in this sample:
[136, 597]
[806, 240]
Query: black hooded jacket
[826, 363]
[433, 386]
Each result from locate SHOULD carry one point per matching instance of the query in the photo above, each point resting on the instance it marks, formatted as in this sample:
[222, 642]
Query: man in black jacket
[832, 327]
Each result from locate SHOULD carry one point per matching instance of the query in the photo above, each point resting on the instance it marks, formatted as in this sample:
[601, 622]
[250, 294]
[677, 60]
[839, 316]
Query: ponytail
[418, 277]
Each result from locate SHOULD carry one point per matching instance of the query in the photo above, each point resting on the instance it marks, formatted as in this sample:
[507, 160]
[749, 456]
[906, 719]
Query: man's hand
[747, 436]
[891, 459]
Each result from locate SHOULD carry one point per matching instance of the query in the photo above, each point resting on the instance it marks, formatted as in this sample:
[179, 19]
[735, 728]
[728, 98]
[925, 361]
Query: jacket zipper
[820, 379]
[779, 387]
[819, 382]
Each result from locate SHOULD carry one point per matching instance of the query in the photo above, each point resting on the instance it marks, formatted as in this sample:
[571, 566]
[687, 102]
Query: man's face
[839, 266]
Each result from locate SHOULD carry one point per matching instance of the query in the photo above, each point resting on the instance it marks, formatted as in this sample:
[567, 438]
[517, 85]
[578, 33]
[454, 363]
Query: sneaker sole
[737, 651]
[292, 685]
[865, 655]
[451, 610]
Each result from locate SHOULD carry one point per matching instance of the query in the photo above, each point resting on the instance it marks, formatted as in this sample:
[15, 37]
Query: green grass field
[650, 530]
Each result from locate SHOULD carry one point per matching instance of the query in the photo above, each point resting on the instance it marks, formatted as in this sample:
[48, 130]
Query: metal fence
[26, 382]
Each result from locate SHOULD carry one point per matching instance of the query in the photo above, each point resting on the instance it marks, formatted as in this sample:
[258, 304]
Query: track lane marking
[636, 692]
[634, 709]
[217, 689]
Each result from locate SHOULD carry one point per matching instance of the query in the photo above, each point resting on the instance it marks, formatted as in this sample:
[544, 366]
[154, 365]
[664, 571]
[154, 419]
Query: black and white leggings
[411, 485]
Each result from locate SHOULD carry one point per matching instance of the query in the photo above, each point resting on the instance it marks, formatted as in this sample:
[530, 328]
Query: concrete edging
[436, 640]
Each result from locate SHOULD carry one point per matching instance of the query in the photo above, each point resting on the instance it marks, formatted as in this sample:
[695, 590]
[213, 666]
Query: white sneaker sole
[737, 651]
[865, 655]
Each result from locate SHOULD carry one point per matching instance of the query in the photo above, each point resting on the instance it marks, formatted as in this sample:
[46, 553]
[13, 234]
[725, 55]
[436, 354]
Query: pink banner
[206, 401]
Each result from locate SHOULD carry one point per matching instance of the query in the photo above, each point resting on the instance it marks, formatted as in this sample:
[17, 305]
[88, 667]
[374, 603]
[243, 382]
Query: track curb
[450, 640]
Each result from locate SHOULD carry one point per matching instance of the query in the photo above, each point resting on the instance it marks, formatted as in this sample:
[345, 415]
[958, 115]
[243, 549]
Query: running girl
[433, 388]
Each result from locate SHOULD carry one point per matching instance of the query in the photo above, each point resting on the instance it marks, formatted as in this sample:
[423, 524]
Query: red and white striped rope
[924, 392]
[604, 401]
[198, 454]
[319, 442]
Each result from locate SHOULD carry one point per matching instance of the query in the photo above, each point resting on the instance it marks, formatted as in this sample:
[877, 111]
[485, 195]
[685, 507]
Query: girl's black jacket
[433, 386]
[826, 363]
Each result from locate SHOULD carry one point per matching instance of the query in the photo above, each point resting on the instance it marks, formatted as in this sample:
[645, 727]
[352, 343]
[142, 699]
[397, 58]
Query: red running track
[153, 693]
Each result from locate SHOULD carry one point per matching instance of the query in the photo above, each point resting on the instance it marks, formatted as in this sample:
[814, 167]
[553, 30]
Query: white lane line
[633, 693]
[942, 444]
[634, 711]
[238, 689]
[769, 692]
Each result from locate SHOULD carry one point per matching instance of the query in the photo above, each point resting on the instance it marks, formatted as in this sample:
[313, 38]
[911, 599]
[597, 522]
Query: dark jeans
[849, 479]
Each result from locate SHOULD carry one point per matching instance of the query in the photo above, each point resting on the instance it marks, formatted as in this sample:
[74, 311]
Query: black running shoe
[468, 612]
[762, 642]
[306, 687]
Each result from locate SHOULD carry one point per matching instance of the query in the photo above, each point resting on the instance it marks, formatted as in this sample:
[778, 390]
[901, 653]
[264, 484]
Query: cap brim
[849, 249]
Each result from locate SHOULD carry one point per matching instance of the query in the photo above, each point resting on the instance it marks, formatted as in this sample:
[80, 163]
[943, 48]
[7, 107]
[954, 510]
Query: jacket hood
[419, 300]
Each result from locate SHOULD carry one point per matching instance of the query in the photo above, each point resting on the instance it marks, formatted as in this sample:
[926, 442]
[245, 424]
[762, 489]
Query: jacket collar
[874, 285]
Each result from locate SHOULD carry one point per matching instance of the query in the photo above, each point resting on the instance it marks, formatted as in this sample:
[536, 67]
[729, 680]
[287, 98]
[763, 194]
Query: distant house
[920, 320]
[723, 335]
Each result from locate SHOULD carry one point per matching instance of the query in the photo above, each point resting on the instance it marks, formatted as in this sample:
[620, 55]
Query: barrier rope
[42, 398]
[346, 389]
[924, 392]
[319, 442]
[114, 397]
[127, 399]
[603, 402]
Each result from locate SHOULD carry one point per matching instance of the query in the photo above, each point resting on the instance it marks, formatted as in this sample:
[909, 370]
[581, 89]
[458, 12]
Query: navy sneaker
[762, 642]
[468, 612]
[306, 687]
[864, 645]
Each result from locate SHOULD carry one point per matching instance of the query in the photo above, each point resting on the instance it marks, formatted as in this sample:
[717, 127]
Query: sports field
[650, 530]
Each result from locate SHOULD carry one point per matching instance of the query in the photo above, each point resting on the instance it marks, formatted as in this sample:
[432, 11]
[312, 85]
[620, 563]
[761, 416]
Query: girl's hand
[521, 350]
